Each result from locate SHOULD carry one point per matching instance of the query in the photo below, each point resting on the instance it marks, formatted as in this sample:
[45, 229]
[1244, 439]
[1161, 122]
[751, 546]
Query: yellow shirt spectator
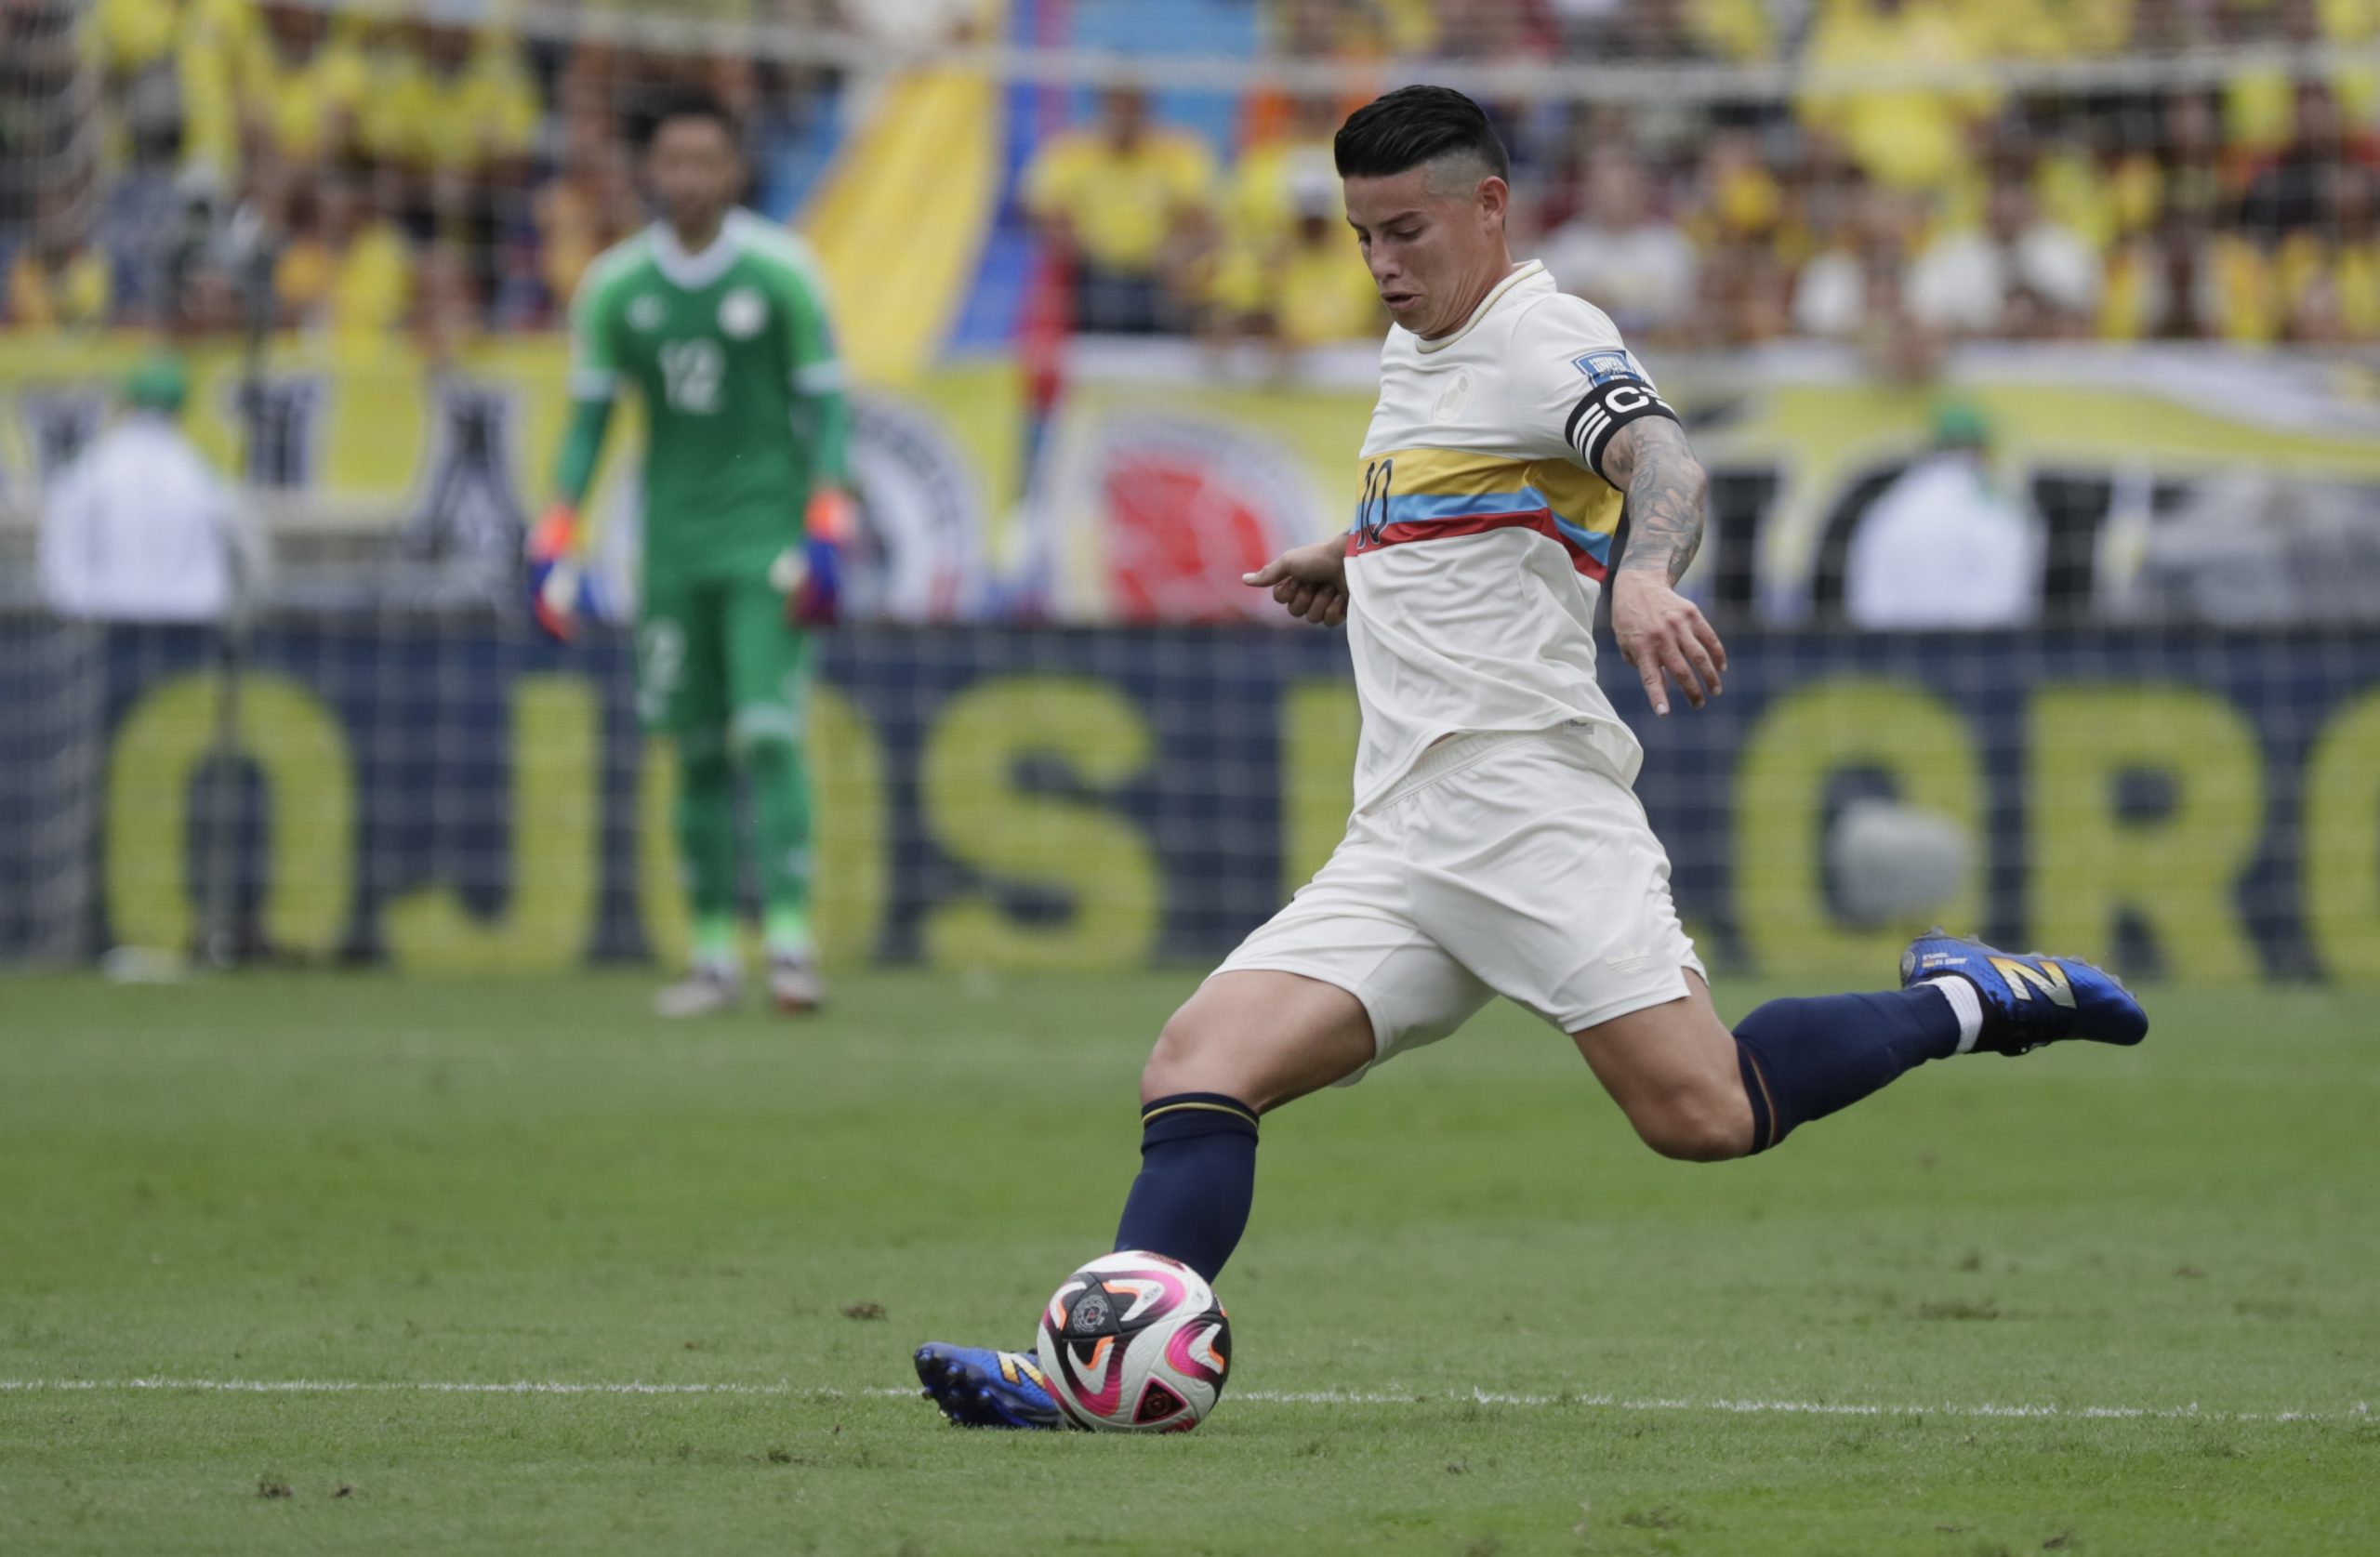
[483, 111]
[2259, 106]
[371, 288]
[1321, 293]
[73, 295]
[1121, 203]
[133, 34]
[1259, 213]
[2351, 269]
[206, 40]
[2229, 284]
[2050, 29]
[302, 274]
[493, 106]
[1732, 28]
[1907, 138]
[2356, 270]
[572, 229]
[302, 104]
[2074, 189]
[2251, 306]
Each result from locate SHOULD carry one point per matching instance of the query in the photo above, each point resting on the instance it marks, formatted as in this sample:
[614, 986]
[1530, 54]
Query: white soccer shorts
[1511, 864]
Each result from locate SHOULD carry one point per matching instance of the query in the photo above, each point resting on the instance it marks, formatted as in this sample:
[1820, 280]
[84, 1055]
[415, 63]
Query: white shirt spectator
[1642, 276]
[1940, 548]
[1618, 255]
[1962, 282]
[136, 528]
[1831, 296]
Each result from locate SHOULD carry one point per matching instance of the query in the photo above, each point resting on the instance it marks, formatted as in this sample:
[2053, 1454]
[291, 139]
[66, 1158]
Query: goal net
[2033, 349]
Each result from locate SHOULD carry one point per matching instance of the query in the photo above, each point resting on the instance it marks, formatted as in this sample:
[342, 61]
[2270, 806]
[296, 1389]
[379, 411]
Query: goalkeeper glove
[812, 576]
[557, 587]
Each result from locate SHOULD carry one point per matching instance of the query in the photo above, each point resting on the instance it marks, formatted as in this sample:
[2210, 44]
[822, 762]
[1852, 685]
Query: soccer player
[1496, 846]
[717, 318]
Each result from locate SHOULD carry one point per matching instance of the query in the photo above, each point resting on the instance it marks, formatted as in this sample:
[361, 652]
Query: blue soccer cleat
[2030, 1000]
[978, 1387]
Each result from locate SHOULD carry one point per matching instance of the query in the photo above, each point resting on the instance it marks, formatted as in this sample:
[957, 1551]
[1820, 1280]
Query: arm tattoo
[1650, 462]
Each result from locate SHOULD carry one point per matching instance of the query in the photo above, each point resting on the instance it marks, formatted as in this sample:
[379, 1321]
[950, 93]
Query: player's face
[1434, 239]
[695, 171]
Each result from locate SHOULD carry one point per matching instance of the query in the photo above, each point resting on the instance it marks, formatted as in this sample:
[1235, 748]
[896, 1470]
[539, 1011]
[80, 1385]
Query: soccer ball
[1135, 1342]
[1897, 865]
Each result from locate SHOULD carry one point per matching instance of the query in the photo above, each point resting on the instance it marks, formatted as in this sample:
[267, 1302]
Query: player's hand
[1665, 637]
[812, 574]
[555, 584]
[833, 515]
[1310, 582]
[810, 578]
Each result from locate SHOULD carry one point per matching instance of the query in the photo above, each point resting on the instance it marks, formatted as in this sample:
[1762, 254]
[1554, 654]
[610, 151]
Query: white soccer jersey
[1483, 532]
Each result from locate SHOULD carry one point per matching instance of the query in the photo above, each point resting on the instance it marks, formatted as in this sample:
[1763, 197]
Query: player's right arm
[556, 585]
[1310, 582]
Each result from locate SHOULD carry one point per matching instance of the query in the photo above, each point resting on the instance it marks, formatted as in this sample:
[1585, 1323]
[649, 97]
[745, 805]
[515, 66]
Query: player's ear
[1495, 200]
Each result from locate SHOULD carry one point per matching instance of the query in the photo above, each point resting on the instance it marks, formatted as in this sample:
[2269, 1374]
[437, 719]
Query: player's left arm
[1663, 633]
[822, 420]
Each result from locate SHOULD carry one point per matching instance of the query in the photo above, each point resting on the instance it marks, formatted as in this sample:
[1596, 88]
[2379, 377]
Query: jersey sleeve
[814, 369]
[594, 356]
[1577, 383]
[810, 358]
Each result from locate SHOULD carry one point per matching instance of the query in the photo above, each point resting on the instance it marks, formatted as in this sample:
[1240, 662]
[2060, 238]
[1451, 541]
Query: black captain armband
[1607, 408]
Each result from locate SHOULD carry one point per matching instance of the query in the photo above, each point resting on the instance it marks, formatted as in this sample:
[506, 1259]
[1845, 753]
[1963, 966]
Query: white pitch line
[2360, 1410]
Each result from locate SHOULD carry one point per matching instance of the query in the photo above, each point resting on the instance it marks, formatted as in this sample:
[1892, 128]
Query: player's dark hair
[683, 102]
[1412, 125]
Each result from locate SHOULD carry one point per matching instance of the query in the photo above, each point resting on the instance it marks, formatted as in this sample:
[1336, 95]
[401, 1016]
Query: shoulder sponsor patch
[1602, 367]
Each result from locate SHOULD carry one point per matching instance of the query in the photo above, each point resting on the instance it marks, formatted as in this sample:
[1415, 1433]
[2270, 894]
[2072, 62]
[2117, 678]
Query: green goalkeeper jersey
[730, 352]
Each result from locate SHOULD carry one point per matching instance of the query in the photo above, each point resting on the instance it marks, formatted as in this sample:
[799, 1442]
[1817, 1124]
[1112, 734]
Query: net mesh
[2113, 265]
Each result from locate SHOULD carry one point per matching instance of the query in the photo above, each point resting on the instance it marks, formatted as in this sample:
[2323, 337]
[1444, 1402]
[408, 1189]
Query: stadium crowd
[390, 172]
[2241, 210]
[451, 175]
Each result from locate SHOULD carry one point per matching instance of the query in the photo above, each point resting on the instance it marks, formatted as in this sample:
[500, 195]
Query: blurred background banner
[1163, 478]
[2033, 347]
[446, 795]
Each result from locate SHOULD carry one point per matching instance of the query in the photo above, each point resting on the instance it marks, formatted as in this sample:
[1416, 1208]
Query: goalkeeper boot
[2029, 1000]
[978, 1387]
[711, 988]
[795, 987]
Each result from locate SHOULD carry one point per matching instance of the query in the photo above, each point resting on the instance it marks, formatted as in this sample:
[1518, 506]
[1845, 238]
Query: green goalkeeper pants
[720, 671]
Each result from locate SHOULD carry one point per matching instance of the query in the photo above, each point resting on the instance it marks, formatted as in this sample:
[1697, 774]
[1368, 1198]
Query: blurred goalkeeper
[718, 319]
[1497, 846]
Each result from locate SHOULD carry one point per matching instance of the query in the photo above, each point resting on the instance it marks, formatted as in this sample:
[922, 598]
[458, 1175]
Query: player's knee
[1187, 1058]
[703, 762]
[1698, 1125]
[765, 751]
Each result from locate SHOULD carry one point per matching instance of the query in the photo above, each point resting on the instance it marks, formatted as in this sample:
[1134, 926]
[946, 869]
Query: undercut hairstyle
[685, 102]
[1413, 125]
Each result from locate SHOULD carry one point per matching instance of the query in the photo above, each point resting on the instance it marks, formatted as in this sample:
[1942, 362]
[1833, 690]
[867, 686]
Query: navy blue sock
[1801, 1059]
[1197, 1180]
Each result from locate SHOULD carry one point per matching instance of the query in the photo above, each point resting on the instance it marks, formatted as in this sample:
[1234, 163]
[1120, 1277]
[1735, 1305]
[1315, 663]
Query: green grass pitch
[1561, 1343]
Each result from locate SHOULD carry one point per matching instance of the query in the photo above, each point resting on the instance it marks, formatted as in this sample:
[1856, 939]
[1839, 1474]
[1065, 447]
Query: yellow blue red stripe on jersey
[1428, 494]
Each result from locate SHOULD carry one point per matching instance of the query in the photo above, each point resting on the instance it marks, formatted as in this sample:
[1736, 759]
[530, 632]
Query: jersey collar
[1520, 273]
[695, 271]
